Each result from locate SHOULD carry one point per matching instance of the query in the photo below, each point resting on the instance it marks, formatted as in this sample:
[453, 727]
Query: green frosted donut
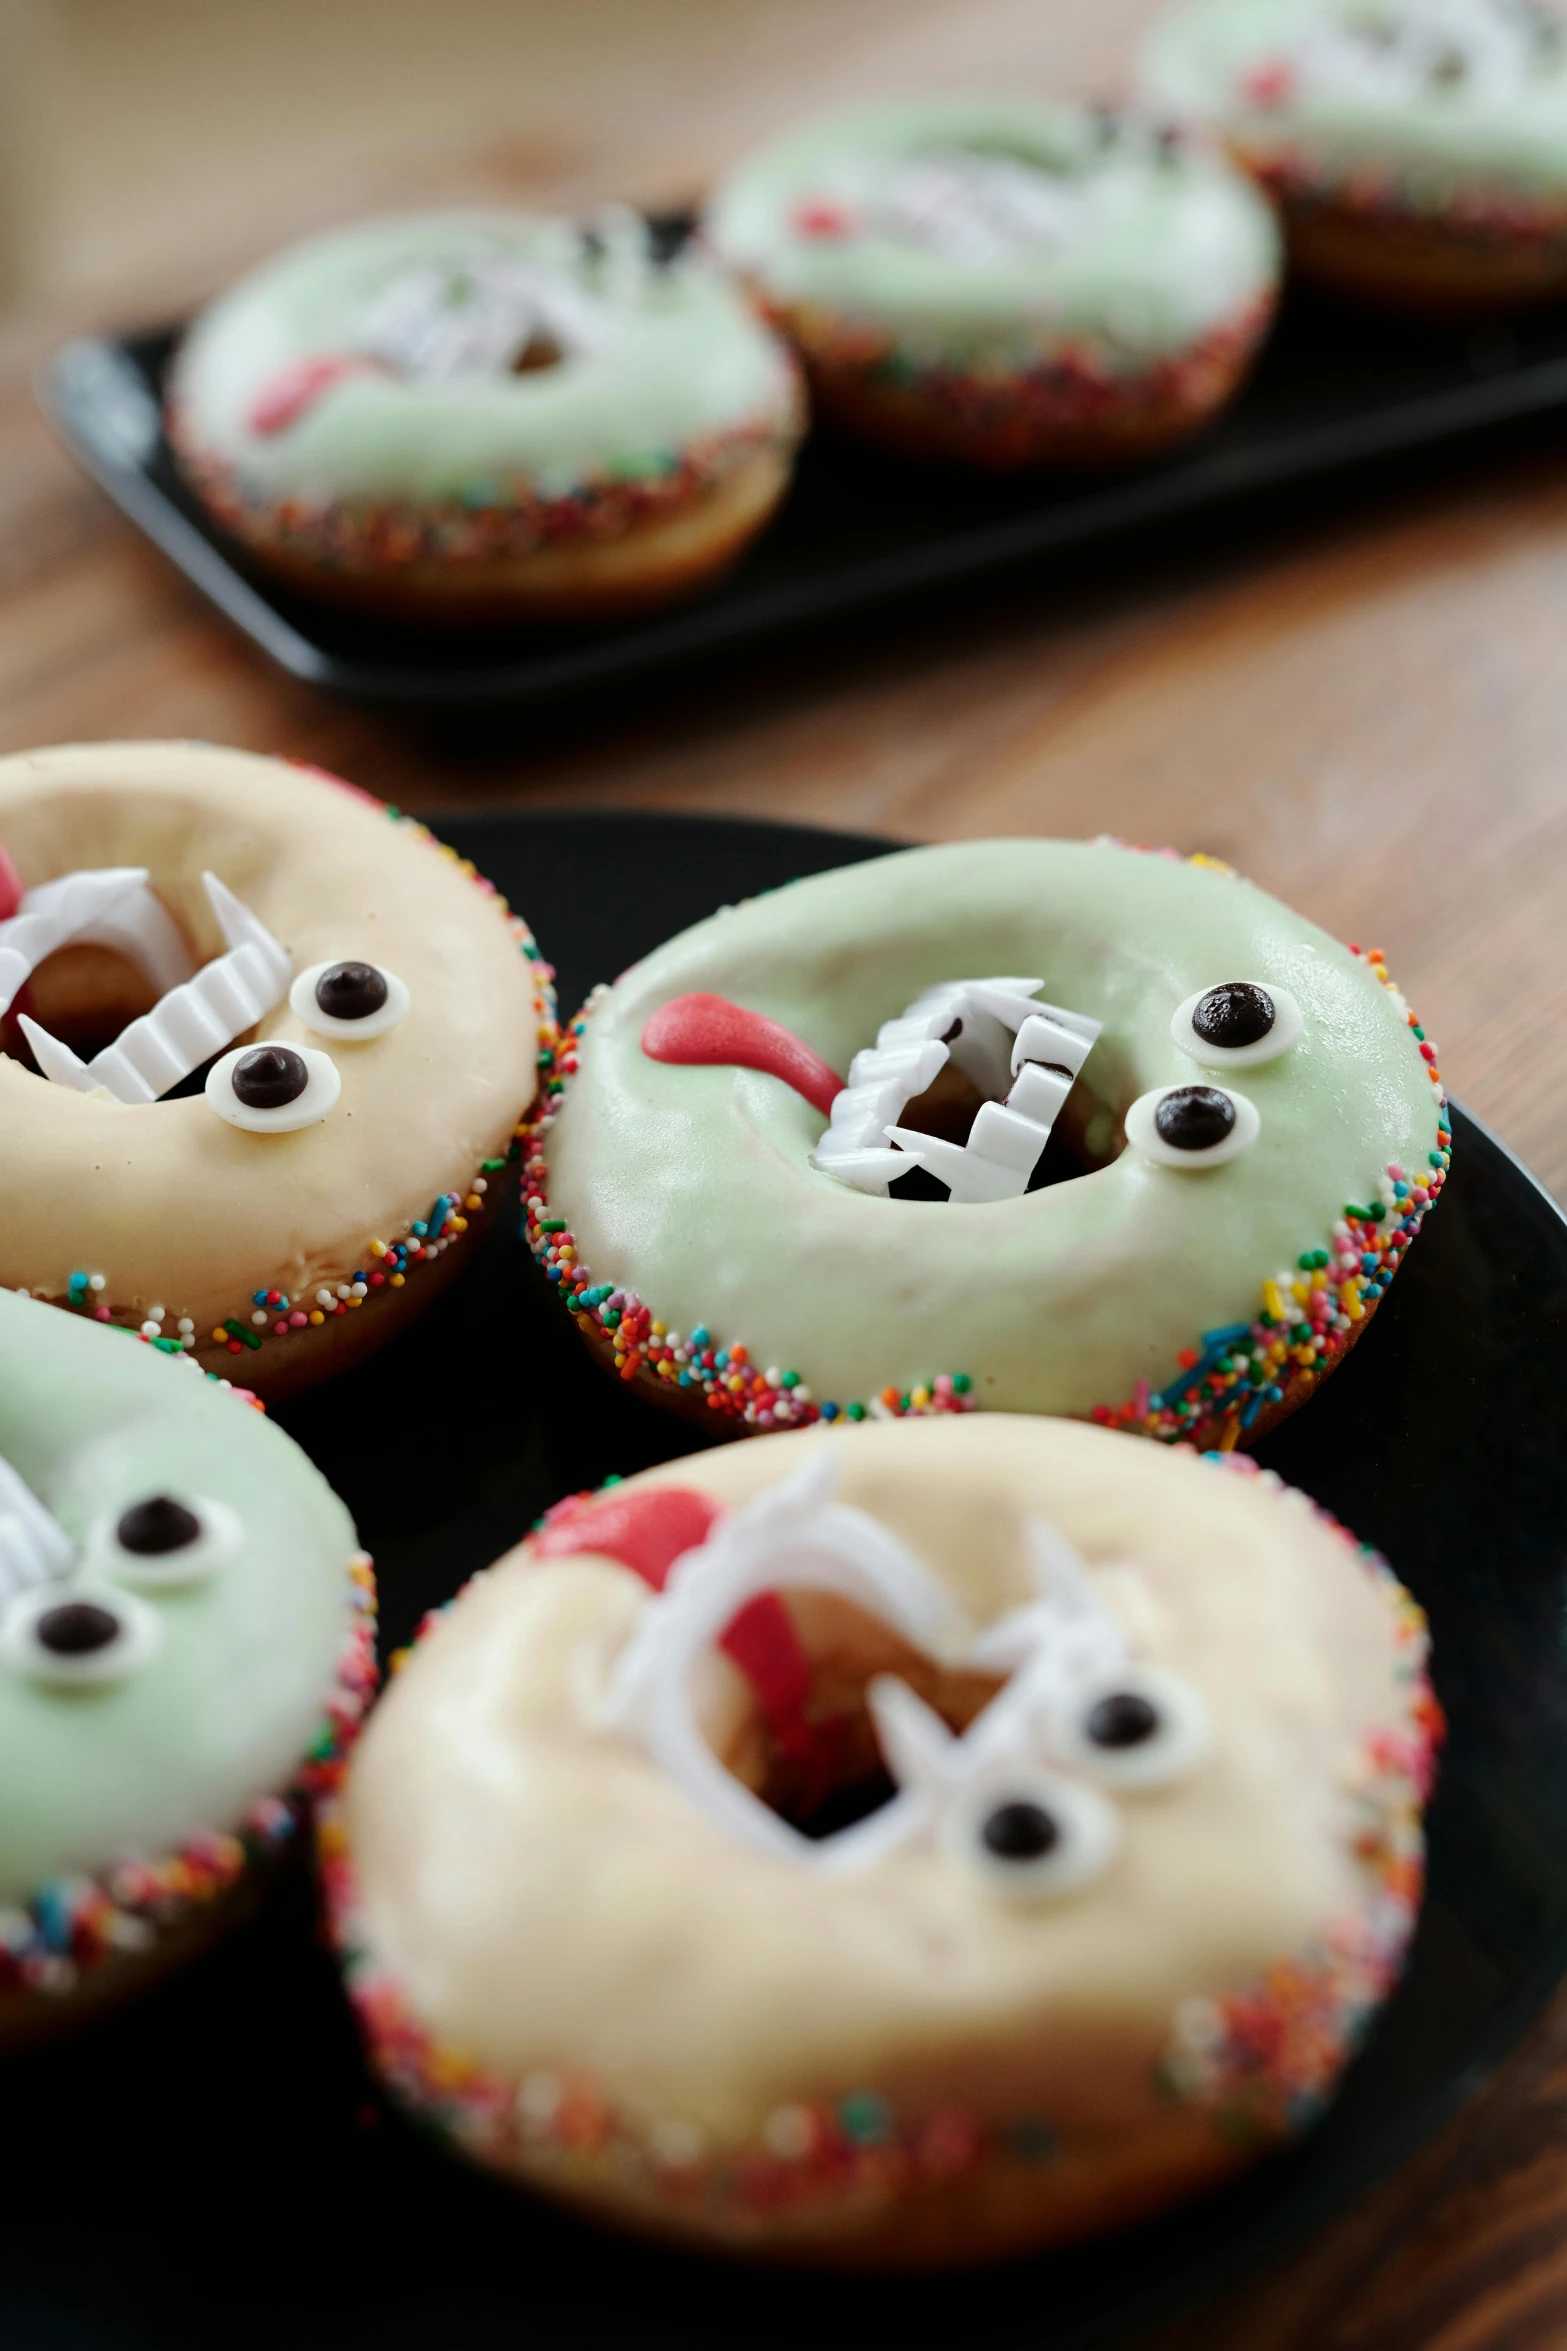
[1426, 101]
[184, 1640]
[1041, 280]
[421, 400]
[1233, 1210]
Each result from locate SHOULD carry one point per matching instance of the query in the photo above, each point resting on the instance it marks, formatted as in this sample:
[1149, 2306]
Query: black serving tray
[1340, 394]
[213, 2166]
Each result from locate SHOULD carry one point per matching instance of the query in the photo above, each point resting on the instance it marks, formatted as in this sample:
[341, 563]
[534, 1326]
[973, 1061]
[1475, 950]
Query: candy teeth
[1003, 1036]
[105, 906]
[34, 1547]
[187, 1025]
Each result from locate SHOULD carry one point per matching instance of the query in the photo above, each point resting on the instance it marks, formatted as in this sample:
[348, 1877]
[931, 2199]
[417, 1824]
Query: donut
[798, 1164]
[1418, 147]
[908, 1844]
[1005, 284]
[471, 416]
[186, 1645]
[368, 1015]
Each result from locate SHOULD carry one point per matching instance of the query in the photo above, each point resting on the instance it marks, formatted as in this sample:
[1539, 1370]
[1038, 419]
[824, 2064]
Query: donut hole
[1085, 1137]
[87, 996]
[827, 1770]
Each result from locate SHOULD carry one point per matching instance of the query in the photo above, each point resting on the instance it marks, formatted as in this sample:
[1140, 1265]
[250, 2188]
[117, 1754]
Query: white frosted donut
[185, 1645]
[487, 415]
[622, 1914]
[290, 1213]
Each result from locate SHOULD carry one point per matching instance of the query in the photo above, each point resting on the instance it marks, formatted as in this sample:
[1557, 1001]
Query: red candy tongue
[10, 886]
[647, 1531]
[703, 1030]
[296, 387]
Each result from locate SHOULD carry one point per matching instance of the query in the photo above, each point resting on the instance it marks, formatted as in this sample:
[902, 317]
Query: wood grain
[1366, 710]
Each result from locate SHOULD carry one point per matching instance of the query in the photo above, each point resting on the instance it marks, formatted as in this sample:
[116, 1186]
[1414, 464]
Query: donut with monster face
[1029, 1126]
[263, 1052]
[1417, 148]
[185, 1645]
[1005, 284]
[904, 1844]
[487, 415]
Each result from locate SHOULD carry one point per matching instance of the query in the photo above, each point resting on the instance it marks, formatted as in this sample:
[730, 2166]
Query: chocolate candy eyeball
[78, 1635]
[273, 1088]
[165, 1539]
[352, 1000]
[1034, 1835]
[1192, 1126]
[1142, 1728]
[1237, 1024]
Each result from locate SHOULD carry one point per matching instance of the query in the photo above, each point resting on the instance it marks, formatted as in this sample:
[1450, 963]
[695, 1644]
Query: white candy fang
[1022, 1056]
[107, 906]
[34, 1547]
[189, 1024]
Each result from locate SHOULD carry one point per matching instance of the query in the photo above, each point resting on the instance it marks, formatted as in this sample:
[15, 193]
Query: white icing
[302, 1003]
[322, 1087]
[188, 1024]
[1144, 1135]
[110, 906]
[137, 1641]
[1004, 1038]
[1288, 1023]
[1064, 1650]
[219, 1539]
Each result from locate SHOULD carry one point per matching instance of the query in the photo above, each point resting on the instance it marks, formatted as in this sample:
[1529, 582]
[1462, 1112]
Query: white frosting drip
[1015, 1051]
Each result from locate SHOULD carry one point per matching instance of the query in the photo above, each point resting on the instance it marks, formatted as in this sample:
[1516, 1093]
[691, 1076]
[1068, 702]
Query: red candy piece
[702, 1030]
[284, 397]
[10, 886]
[647, 1531]
[1270, 83]
[823, 220]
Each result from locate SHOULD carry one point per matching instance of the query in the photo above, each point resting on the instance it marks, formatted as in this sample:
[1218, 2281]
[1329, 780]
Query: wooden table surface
[1365, 711]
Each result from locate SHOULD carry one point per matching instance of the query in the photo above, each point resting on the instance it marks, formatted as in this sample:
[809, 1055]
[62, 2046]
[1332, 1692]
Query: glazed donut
[1418, 147]
[368, 1014]
[1005, 285]
[1169, 1196]
[185, 1645]
[486, 415]
[910, 1844]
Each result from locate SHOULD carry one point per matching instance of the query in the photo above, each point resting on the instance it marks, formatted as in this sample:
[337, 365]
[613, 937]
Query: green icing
[682, 358]
[693, 1185]
[227, 1708]
[1157, 249]
[1475, 91]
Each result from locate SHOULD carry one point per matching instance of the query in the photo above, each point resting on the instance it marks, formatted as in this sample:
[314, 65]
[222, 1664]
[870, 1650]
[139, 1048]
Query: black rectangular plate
[1339, 394]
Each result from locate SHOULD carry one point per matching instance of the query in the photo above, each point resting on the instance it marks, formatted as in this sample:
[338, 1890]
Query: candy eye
[1237, 1024]
[1192, 1126]
[351, 1000]
[1033, 1836]
[1139, 1730]
[166, 1539]
[78, 1636]
[271, 1089]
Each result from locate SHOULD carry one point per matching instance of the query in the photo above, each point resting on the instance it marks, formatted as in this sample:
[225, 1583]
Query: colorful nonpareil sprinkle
[1005, 408]
[491, 522]
[267, 1314]
[1377, 194]
[75, 1925]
